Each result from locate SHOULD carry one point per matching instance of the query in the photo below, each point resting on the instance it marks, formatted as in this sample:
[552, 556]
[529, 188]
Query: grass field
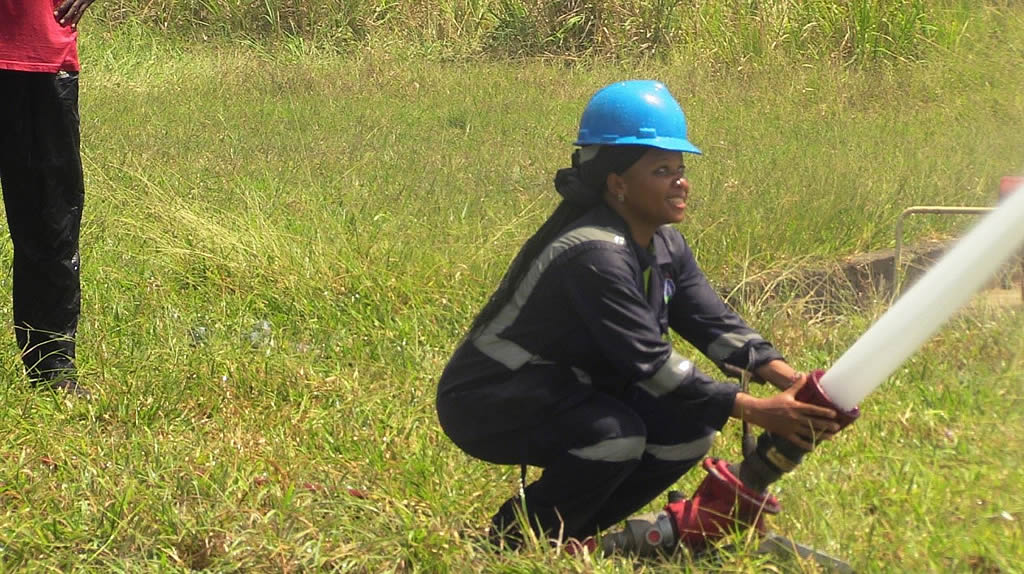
[283, 243]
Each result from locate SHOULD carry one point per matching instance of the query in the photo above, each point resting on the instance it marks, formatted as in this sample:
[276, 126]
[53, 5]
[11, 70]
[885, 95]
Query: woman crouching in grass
[568, 367]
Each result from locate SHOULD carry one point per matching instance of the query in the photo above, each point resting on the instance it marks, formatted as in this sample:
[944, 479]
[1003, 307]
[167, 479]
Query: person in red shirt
[41, 177]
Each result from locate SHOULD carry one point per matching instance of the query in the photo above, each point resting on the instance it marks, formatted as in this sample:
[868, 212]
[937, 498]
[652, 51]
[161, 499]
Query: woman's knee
[618, 436]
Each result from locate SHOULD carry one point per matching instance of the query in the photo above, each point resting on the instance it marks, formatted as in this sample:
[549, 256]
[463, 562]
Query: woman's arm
[780, 374]
[701, 317]
[602, 288]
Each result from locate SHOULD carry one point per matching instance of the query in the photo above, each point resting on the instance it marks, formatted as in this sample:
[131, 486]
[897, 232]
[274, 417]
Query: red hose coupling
[812, 393]
[720, 505]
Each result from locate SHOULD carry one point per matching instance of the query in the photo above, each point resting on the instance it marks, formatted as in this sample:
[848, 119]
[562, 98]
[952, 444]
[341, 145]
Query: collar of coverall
[658, 252]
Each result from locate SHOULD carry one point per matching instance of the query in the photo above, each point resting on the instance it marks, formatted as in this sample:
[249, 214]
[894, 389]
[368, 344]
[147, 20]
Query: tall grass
[282, 244]
[862, 31]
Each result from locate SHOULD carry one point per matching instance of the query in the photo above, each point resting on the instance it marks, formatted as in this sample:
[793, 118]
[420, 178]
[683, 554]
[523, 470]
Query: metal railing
[897, 263]
[1007, 185]
[897, 259]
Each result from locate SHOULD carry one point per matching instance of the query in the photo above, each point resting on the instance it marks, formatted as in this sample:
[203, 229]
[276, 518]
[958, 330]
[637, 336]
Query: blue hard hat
[637, 112]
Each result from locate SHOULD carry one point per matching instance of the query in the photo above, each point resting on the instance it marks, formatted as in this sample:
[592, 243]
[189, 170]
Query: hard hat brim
[666, 143]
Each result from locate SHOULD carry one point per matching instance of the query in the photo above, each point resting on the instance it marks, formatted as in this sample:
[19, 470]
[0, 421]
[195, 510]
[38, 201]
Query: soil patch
[867, 279]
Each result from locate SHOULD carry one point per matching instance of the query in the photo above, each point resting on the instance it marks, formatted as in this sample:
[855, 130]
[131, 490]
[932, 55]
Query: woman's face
[653, 190]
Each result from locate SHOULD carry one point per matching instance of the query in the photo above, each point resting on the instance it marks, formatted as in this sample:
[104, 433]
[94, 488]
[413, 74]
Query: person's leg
[41, 175]
[586, 441]
[676, 441]
[586, 450]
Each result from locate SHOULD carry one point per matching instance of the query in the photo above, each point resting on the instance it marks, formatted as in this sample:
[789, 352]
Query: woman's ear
[615, 184]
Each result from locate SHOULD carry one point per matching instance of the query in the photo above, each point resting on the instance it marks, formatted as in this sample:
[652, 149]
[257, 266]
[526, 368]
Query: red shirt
[31, 40]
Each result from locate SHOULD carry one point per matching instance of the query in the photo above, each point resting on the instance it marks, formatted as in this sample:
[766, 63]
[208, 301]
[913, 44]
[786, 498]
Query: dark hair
[581, 186]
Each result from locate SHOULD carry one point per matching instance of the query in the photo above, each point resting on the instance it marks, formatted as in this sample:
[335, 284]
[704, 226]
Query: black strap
[748, 444]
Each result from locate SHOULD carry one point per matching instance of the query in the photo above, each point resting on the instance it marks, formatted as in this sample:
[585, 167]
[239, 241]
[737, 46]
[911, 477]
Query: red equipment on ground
[719, 506]
[722, 504]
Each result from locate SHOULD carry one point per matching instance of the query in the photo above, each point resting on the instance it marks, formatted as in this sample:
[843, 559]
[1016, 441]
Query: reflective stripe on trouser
[675, 443]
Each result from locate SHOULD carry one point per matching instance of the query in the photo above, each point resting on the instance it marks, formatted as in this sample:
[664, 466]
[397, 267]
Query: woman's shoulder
[591, 236]
[589, 245]
[593, 229]
[593, 240]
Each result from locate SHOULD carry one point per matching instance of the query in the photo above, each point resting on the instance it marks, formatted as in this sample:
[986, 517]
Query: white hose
[927, 305]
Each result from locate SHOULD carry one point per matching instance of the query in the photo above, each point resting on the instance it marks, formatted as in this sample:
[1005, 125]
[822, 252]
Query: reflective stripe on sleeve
[720, 349]
[668, 378]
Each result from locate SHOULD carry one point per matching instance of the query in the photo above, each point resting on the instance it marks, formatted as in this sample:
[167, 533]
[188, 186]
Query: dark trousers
[43, 189]
[604, 456]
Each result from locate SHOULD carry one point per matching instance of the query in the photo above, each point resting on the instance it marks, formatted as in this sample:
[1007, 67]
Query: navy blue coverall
[575, 375]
